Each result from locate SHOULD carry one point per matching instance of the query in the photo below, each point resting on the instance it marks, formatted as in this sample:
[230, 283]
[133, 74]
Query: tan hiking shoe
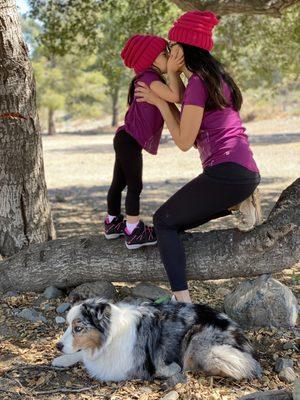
[249, 213]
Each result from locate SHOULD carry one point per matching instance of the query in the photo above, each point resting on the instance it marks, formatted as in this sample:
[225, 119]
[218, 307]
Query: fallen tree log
[271, 247]
[221, 7]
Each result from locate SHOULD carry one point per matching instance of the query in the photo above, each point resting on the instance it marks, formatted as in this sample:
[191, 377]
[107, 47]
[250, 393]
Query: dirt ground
[78, 168]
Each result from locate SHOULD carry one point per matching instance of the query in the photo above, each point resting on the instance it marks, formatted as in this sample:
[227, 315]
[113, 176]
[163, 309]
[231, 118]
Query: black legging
[205, 198]
[127, 172]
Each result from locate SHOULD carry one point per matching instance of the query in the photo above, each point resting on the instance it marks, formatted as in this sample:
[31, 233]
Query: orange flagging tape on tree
[12, 116]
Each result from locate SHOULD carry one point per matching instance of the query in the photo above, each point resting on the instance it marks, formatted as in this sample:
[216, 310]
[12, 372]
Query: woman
[210, 121]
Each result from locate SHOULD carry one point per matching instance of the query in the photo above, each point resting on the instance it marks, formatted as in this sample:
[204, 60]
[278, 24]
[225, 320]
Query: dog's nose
[59, 346]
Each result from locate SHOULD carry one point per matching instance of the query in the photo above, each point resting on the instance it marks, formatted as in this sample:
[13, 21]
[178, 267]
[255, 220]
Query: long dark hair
[131, 89]
[201, 62]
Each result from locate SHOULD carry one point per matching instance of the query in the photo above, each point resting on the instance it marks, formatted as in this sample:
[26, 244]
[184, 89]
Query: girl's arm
[184, 130]
[173, 92]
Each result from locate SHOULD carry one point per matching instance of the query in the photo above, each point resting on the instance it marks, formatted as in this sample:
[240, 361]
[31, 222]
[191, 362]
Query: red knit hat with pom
[195, 28]
[140, 51]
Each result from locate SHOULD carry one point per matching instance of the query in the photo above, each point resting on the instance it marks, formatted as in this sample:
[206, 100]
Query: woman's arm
[184, 129]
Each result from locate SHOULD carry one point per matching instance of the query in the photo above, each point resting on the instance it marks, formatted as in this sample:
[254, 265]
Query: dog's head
[88, 327]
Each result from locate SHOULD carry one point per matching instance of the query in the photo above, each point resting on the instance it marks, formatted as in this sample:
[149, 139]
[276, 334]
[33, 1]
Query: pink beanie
[140, 51]
[195, 28]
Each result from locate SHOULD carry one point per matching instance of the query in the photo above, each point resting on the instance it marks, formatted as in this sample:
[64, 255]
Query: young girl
[210, 120]
[146, 54]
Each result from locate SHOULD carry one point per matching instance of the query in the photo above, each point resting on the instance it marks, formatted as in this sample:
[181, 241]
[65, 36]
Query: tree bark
[115, 107]
[25, 215]
[51, 122]
[269, 248]
[222, 7]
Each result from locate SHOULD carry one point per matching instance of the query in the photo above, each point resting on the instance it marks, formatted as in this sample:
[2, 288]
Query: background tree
[111, 23]
[25, 215]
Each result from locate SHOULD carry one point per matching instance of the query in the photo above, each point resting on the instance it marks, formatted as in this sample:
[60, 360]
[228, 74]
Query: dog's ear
[98, 314]
[103, 310]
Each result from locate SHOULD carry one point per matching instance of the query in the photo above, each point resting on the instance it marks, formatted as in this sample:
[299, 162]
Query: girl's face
[161, 62]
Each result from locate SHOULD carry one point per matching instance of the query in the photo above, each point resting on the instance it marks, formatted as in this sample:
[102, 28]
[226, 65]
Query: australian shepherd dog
[121, 341]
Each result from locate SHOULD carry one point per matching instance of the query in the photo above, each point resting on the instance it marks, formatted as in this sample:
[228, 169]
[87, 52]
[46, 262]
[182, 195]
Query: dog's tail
[217, 353]
[225, 360]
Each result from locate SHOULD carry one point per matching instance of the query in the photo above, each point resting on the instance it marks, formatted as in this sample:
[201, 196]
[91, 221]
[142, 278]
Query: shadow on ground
[81, 210]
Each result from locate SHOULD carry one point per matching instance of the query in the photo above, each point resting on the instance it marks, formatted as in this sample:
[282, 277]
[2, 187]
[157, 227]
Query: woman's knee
[162, 219]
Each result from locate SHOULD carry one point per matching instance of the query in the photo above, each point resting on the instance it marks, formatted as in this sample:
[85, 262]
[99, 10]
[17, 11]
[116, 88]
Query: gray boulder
[268, 395]
[52, 292]
[31, 315]
[282, 363]
[149, 291]
[287, 375]
[262, 302]
[103, 289]
[60, 320]
[296, 390]
[62, 308]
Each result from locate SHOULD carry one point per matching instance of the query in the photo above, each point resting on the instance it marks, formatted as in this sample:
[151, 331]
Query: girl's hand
[143, 93]
[176, 59]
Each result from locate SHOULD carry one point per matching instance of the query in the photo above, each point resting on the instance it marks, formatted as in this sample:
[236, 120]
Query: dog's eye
[77, 329]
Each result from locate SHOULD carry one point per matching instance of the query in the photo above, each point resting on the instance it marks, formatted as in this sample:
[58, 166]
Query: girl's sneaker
[141, 236]
[115, 228]
[249, 212]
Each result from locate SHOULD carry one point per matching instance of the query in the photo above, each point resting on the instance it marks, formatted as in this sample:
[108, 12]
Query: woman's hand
[176, 59]
[143, 93]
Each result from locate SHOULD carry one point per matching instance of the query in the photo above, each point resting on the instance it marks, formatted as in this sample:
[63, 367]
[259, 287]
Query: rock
[52, 292]
[60, 198]
[262, 302]
[296, 390]
[287, 375]
[48, 307]
[289, 346]
[31, 315]
[149, 291]
[60, 320]
[105, 290]
[10, 294]
[282, 363]
[222, 292]
[179, 377]
[145, 389]
[173, 395]
[62, 308]
[137, 301]
[268, 395]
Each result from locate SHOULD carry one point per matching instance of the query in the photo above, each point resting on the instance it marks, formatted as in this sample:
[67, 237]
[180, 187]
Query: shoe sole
[113, 236]
[138, 246]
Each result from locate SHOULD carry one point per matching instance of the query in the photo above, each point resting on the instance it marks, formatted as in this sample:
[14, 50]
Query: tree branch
[221, 7]
[269, 248]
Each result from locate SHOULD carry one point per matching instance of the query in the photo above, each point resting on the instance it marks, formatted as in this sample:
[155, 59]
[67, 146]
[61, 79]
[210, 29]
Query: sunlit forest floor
[78, 168]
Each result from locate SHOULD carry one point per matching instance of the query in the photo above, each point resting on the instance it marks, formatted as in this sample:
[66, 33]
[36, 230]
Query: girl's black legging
[205, 198]
[127, 172]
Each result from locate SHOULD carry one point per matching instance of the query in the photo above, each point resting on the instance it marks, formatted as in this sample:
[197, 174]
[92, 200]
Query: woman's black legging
[205, 198]
[128, 171]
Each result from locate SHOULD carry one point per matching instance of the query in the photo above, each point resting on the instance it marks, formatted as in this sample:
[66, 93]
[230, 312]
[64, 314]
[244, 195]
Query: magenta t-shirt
[144, 121]
[221, 137]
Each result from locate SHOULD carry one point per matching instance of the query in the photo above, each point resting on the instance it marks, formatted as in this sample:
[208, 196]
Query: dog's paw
[61, 361]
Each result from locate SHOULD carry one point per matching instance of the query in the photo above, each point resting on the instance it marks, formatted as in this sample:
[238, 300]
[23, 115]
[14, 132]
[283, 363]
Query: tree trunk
[51, 122]
[25, 215]
[115, 107]
[269, 248]
[222, 7]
